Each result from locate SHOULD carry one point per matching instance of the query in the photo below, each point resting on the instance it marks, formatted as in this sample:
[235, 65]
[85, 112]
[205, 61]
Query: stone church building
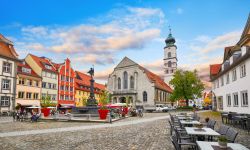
[130, 82]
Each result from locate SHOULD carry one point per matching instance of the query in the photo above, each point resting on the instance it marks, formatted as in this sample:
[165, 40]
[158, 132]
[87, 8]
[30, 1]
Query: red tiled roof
[6, 48]
[41, 61]
[85, 81]
[159, 83]
[57, 66]
[215, 69]
[23, 64]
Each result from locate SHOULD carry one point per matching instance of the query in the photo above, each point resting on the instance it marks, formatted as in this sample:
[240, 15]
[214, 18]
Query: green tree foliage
[104, 99]
[187, 85]
[47, 102]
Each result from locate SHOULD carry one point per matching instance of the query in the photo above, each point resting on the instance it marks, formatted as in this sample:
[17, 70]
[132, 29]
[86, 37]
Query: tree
[46, 101]
[104, 99]
[187, 85]
[207, 101]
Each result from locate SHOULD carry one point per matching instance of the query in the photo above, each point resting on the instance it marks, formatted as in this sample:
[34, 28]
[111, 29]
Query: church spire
[170, 39]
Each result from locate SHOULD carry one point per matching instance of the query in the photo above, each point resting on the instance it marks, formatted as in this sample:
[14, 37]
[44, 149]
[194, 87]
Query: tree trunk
[187, 102]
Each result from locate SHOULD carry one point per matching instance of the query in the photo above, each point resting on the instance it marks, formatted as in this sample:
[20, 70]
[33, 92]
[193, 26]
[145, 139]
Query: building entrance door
[122, 100]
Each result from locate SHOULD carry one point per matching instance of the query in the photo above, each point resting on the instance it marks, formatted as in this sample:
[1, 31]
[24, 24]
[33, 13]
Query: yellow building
[82, 89]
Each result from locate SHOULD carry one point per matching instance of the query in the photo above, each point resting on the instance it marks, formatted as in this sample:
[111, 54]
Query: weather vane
[169, 29]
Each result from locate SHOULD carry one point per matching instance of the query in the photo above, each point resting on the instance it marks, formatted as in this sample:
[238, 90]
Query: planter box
[103, 113]
[45, 111]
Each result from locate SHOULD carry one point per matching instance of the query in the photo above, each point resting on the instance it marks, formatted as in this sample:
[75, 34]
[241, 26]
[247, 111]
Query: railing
[124, 91]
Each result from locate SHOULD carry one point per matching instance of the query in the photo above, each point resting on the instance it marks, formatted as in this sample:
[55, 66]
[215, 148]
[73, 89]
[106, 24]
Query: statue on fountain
[91, 101]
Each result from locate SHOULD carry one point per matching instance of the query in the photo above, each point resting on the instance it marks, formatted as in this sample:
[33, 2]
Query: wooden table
[203, 145]
[203, 131]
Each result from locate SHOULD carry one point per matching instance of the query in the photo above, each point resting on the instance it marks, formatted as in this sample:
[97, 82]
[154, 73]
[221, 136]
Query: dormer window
[26, 70]
[48, 67]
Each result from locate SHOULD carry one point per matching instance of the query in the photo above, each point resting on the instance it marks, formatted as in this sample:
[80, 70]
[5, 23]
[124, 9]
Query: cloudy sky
[102, 32]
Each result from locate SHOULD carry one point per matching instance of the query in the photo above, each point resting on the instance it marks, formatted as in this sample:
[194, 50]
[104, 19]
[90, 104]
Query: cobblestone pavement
[141, 135]
[146, 135]
[9, 125]
[5, 119]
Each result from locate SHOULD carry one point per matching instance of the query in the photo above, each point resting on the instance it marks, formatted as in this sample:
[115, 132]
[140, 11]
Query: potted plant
[46, 102]
[199, 126]
[222, 141]
[207, 119]
[104, 99]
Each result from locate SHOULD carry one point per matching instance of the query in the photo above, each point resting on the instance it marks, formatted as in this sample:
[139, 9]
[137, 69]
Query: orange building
[66, 83]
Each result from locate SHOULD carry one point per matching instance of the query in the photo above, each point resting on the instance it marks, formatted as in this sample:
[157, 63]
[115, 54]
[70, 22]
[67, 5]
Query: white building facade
[131, 83]
[8, 63]
[231, 79]
[170, 58]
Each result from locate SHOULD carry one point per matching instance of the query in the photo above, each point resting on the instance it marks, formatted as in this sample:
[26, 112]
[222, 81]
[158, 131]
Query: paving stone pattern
[147, 135]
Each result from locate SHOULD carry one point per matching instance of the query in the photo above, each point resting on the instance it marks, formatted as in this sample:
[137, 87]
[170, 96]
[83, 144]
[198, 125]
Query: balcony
[132, 91]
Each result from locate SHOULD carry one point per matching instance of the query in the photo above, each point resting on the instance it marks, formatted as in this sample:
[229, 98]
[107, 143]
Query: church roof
[159, 83]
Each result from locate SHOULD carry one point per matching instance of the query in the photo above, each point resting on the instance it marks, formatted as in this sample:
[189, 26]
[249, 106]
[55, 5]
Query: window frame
[4, 67]
[242, 98]
[235, 94]
[144, 96]
[9, 85]
[234, 75]
[242, 70]
[227, 97]
[2, 100]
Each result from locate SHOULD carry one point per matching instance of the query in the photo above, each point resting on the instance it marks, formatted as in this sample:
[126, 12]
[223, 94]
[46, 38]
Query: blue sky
[103, 32]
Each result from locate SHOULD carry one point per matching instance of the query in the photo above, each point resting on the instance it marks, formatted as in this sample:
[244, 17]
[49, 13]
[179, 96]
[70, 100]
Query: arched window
[166, 71]
[145, 96]
[169, 54]
[125, 80]
[132, 82]
[169, 64]
[119, 83]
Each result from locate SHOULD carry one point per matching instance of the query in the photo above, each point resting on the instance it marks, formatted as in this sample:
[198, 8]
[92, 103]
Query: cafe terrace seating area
[236, 120]
[187, 132]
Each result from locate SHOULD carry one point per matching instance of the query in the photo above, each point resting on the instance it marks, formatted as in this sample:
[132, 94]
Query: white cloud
[212, 44]
[130, 28]
[203, 39]
[95, 59]
[179, 10]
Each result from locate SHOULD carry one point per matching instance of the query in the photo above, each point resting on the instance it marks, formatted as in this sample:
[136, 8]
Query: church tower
[170, 58]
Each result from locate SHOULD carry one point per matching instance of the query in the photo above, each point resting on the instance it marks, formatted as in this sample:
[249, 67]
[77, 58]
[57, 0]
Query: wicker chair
[248, 124]
[231, 135]
[223, 129]
[211, 124]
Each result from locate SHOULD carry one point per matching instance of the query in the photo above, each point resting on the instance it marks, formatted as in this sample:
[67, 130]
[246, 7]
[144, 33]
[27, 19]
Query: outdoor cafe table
[191, 122]
[185, 118]
[203, 145]
[241, 117]
[179, 115]
[203, 131]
